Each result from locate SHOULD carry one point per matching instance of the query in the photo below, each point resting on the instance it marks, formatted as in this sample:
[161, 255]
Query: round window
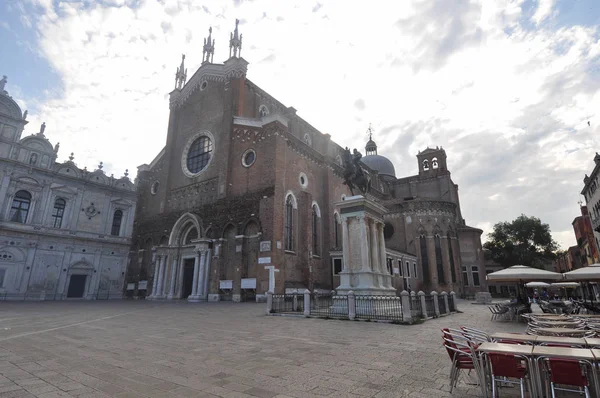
[203, 85]
[199, 154]
[154, 187]
[303, 180]
[248, 158]
[388, 231]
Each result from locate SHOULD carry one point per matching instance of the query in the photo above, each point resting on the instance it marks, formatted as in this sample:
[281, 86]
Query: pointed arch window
[451, 255]
[438, 259]
[116, 224]
[58, 212]
[289, 223]
[20, 207]
[434, 163]
[424, 258]
[316, 218]
[426, 165]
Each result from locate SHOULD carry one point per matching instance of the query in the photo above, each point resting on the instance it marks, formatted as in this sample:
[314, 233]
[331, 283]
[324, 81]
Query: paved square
[150, 349]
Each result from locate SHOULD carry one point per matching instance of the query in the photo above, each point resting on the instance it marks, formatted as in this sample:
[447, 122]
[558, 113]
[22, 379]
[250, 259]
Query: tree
[523, 241]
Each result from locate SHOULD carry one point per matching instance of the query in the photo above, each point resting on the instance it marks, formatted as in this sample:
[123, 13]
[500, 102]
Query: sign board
[396, 271]
[142, 285]
[264, 260]
[131, 286]
[249, 283]
[238, 248]
[226, 285]
[265, 246]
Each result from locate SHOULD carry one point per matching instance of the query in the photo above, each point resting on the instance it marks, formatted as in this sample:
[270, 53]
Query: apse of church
[241, 199]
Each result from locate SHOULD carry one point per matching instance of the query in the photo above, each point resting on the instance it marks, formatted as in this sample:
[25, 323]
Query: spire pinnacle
[208, 51]
[371, 147]
[181, 74]
[235, 42]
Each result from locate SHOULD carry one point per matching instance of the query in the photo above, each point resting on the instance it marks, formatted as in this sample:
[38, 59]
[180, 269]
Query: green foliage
[523, 241]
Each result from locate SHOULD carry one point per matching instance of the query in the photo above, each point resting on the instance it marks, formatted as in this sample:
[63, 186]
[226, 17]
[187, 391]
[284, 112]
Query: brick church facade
[241, 200]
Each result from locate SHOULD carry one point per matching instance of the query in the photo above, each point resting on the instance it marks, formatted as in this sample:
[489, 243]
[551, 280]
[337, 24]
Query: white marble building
[64, 232]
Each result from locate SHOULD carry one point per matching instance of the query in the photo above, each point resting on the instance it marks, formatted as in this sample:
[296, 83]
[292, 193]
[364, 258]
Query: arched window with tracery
[316, 221]
[438, 259]
[289, 223]
[20, 207]
[58, 212]
[424, 258]
[434, 163]
[115, 230]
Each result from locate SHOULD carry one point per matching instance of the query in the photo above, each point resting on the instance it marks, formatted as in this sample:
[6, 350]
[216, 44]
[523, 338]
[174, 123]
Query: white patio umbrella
[537, 284]
[565, 284]
[589, 273]
[521, 273]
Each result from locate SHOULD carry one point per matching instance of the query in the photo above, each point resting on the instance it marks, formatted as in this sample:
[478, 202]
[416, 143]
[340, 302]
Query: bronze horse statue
[354, 175]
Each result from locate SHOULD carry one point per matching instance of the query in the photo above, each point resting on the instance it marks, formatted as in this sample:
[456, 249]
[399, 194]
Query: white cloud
[509, 105]
[543, 11]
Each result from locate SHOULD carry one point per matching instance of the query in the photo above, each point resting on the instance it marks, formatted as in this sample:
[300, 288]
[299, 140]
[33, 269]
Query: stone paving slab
[173, 350]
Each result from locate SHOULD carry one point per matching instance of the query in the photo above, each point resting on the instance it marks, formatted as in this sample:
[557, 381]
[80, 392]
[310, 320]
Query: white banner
[264, 260]
[249, 283]
[226, 285]
[142, 285]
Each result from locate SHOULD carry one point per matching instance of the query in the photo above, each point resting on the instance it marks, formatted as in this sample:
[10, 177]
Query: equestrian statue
[354, 175]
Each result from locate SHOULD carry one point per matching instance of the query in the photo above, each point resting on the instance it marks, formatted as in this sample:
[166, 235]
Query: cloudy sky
[507, 87]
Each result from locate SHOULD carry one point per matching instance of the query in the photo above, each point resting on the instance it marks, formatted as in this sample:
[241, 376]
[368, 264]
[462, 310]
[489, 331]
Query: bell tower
[432, 162]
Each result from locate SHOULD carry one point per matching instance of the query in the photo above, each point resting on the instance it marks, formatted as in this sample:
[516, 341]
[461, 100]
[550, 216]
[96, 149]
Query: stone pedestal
[365, 270]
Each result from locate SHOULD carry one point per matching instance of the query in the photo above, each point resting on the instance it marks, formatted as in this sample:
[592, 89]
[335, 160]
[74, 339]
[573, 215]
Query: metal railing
[415, 306]
[288, 303]
[329, 306]
[451, 303]
[429, 306]
[379, 307]
[442, 304]
[31, 296]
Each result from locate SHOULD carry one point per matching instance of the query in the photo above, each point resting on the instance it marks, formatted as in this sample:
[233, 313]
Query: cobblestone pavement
[149, 349]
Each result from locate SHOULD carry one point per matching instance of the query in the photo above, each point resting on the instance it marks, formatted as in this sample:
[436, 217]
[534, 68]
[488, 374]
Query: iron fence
[415, 306]
[287, 303]
[451, 303]
[31, 296]
[329, 306]
[429, 306]
[442, 304]
[379, 307]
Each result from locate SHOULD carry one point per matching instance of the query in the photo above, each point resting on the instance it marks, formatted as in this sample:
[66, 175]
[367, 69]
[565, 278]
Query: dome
[379, 163]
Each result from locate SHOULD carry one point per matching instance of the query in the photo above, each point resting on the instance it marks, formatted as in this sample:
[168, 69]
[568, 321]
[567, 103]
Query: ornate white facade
[64, 232]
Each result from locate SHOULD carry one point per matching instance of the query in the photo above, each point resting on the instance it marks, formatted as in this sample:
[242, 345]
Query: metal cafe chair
[463, 358]
[505, 366]
[567, 372]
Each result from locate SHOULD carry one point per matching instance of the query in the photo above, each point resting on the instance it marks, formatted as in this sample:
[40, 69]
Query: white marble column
[375, 260]
[193, 295]
[345, 244]
[199, 290]
[364, 255]
[156, 274]
[387, 280]
[173, 280]
[160, 287]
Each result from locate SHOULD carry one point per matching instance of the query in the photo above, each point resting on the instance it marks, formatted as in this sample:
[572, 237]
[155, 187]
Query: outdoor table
[582, 354]
[515, 349]
[591, 341]
[526, 338]
[558, 324]
[560, 340]
[562, 331]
